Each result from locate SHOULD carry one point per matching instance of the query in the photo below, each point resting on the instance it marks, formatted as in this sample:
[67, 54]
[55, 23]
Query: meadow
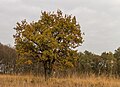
[73, 81]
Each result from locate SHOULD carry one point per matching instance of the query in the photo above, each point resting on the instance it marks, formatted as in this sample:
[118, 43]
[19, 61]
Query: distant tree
[109, 62]
[50, 40]
[117, 56]
[7, 59]
[86, 62]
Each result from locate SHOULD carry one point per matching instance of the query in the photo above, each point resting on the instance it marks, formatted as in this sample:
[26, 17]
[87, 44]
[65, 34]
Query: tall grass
[73, 81]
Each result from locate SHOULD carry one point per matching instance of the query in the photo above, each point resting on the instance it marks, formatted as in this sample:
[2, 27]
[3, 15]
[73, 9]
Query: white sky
[99, 19]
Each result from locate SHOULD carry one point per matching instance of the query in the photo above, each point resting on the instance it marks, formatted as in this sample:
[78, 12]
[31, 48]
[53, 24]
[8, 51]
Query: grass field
[74, 81]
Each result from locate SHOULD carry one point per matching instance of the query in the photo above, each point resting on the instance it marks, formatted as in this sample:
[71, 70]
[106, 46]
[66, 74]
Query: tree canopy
[51, 40]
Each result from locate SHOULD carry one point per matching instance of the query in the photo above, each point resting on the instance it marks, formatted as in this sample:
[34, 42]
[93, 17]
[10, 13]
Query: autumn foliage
[50, 41]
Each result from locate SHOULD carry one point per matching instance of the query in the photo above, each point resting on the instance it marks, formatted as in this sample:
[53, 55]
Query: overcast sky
[99, 19]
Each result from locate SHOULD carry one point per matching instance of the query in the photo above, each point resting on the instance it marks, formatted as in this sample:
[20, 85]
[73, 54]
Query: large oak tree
[51, 40]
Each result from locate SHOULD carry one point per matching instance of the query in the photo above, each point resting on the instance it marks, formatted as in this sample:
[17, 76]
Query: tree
[109, 63]
[117, 56]
[51, 40]
[89, 63]
[7, 59]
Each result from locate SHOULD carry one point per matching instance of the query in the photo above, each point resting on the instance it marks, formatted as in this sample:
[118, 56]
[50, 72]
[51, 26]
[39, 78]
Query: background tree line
[107, 63]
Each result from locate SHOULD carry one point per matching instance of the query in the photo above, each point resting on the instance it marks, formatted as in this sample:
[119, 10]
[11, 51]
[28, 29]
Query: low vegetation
[74, 81]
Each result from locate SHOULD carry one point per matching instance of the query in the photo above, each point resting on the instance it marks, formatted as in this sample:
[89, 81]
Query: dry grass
[82, 81]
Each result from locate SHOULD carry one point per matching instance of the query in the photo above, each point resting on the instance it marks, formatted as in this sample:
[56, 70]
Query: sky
[99, 20]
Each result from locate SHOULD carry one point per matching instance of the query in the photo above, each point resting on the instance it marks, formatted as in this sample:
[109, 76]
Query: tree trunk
[48, 67]
[45, 70]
